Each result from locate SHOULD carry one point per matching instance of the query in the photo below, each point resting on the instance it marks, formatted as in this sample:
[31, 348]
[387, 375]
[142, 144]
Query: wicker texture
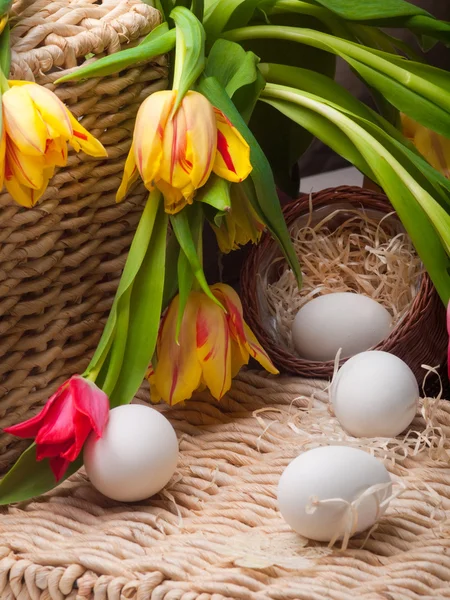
[420, 338]
[60, 262]
[215, 533]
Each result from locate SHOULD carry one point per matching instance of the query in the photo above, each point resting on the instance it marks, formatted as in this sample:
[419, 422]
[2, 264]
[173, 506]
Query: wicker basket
[420, 338]
[60, 262]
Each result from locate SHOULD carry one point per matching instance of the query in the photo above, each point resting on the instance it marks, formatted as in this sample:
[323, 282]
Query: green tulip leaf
[216, 193]
[171, 279]
[198, 9]
[29, 478]
[145, 314]
[155, 45]
[283, 141]
[418, 96]
[261, 175]
[5, 51]
[371, 10]
[336, 96]
[185, 274]
[237, 71]
[226, 14]
[182, 230]
[190, 51]
[427, 223]
[133, 264]
[185, 283]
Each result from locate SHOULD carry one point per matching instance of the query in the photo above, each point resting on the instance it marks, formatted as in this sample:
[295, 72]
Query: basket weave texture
[61, 261]
[421, 336]
[215, 532]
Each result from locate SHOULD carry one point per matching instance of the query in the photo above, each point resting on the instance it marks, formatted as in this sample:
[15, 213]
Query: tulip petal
[230, 299]
[83, 140]
[59, 425]
[213, 347]
[83, 428]
[232, 160]
[155, 396]
[51, 109]
[90, 401]
[28, 170]
[56, 154]
[149, 129]
[174, 201]
[435, 148]
[23, 195]
[238, 358]
[58, 466]
[257, 352]
[30, 428]
[175, 168]
[130, 174]
[23, 123]
[201, 137]
[50, 450]
[178, 372]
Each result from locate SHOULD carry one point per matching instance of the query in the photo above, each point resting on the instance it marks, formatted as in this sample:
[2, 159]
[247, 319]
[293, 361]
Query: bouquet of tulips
[252, 82]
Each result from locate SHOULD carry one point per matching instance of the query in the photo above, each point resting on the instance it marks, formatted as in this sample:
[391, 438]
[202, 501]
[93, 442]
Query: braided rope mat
[215, 532]
[60, 262]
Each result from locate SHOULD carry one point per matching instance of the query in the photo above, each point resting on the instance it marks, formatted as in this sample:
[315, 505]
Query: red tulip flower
[63, 425]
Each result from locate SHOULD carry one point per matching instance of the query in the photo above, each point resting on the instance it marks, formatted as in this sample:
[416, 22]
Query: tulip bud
[63, 425]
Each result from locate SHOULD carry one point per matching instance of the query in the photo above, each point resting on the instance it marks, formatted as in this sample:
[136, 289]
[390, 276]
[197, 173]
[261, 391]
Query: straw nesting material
[361, 255]
[215, 532]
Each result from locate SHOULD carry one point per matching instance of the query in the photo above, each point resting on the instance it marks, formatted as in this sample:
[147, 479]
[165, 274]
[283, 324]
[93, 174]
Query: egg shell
[344, 320]
[331, 473]
[375, 394]
[136, 455]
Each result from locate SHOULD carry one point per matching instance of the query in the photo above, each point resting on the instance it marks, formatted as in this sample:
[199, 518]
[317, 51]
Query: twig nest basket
[419, 333]
[60, 262]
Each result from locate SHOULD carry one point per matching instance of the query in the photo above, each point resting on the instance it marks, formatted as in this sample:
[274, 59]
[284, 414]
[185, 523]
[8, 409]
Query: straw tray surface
[215, 532]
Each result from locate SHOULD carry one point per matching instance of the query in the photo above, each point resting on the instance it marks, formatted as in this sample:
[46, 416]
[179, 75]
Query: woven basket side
[61, 261]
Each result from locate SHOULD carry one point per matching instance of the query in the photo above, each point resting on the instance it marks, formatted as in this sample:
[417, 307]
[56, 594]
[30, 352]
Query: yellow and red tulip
[212, 347]
[36, 129]
[434, 148]
[240, 225]
[176, 153]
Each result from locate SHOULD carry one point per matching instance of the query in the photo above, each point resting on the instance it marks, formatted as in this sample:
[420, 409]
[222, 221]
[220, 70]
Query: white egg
[375, 394]
[317, 489]
[343, 320]
[136, 455]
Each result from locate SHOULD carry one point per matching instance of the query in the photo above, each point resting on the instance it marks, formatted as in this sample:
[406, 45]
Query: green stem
[343, 48]
[332, 21]
[4, 85]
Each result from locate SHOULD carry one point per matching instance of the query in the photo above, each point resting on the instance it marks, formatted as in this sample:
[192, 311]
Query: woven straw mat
[60, 262]
[215, 532]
